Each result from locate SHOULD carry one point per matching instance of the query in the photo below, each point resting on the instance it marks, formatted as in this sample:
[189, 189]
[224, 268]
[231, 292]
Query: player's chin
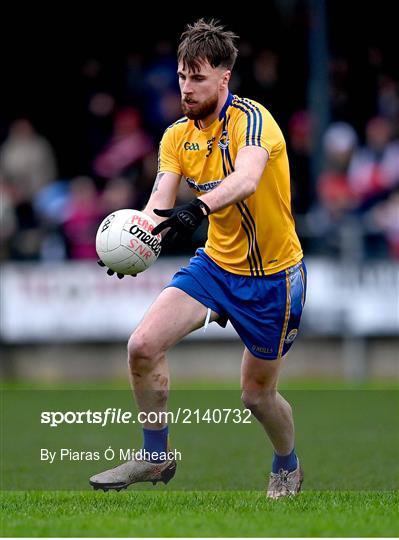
[190, 112]
[191, 116]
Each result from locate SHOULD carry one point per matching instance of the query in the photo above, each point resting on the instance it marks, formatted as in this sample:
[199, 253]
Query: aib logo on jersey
[224, 140]
[191, 146]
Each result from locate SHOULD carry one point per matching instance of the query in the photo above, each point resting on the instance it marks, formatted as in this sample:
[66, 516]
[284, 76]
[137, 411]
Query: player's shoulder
[243, 107]
[178, 126]
[176, 131]
[251, 119]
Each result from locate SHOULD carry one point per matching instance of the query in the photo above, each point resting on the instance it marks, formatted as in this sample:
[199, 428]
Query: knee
[255, 398]
[143, 355]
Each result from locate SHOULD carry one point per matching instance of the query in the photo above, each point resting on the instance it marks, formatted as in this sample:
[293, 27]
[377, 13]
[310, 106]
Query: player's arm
[163, 193]
[249, 166]
[242, 183]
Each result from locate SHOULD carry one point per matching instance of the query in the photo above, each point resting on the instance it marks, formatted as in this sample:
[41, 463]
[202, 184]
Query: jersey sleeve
[255, 126]
[168, 159]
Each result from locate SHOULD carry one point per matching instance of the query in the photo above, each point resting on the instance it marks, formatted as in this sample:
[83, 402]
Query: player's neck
[206, 122]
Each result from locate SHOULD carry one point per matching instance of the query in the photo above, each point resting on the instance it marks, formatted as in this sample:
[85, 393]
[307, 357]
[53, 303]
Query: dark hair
[209, 41]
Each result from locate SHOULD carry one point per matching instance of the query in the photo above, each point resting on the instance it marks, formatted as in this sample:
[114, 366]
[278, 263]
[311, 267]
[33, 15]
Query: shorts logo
[224, 141]
[291, 336]
[265, 350]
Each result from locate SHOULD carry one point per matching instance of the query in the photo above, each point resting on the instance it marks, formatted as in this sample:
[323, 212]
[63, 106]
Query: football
[125, 244]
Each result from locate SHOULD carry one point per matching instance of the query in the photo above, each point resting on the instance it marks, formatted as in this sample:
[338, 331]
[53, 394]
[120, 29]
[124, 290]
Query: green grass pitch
[347, 439]
[241, 514]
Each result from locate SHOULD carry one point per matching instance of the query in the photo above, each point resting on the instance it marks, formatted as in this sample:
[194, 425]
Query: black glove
[183, 220]
[111, 272]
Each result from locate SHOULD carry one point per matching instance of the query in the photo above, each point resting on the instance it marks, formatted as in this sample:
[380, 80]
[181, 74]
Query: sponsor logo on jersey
[191, 146]
[202, 188]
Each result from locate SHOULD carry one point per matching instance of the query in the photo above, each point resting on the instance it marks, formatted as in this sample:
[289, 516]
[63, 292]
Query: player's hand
[111, 272]
[182, 220]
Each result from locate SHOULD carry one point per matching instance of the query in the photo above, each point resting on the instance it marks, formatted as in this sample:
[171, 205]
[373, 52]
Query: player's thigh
[172, 316]
[258, 373]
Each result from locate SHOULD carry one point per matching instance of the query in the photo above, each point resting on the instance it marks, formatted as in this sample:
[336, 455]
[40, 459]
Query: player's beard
[200, 110]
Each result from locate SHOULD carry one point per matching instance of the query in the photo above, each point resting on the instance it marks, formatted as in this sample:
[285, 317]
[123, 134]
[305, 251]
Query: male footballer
[233, 156]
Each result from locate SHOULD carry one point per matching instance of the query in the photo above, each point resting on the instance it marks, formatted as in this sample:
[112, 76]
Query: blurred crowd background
[79, 132]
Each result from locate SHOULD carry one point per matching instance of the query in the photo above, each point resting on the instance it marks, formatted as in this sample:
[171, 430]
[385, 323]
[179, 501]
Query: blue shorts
[265, 311]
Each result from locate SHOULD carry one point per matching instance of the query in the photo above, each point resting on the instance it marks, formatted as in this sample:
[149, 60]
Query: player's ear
[225, 79]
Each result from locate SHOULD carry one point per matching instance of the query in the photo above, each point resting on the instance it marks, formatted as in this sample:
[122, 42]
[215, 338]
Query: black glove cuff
[203, 206]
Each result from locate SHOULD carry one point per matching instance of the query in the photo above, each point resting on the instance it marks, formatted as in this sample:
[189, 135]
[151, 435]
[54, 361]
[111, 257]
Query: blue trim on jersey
[256, 113]
[230, 162]
[254, 116]
[246, 225]
[229, 99]
[225, 173]
[255, 134]
[256, 246]
[259, 114]
[249, 120]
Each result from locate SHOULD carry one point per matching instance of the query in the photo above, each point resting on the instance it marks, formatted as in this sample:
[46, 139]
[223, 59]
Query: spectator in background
[82, 217]
[50, 206]
[128, 145]
[374, 168]
[27, 161]
[333, 188]
[374, 180]
[334, 197]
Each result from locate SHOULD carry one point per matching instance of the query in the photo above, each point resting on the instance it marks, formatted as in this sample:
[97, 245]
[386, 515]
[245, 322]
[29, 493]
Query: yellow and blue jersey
[256, 236]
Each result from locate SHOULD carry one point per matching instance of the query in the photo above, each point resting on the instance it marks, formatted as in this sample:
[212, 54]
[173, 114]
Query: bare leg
[259, 393]
[172, 316]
